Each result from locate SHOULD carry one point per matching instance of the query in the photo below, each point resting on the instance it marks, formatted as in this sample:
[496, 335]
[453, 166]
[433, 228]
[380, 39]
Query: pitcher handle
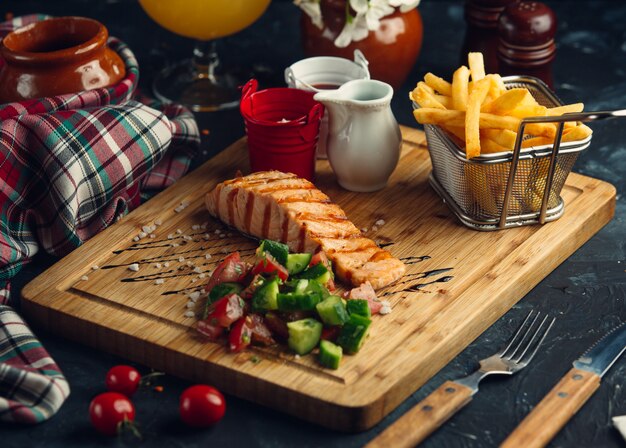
[361, 60]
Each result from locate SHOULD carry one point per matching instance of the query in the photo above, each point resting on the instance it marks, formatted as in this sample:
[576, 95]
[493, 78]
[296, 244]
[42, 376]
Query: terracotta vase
[57, 56]
[392, 50]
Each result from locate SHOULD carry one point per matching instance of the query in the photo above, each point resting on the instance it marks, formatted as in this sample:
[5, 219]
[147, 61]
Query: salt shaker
[526, 45]
[482, 30]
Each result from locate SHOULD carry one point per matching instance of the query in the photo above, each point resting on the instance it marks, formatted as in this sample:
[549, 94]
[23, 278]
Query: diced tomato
[320, 257]
[257, 281]
[209, 328]
[240, 335]
[260, 333]
[269, 265]
[366, 292]
[330, 333]
[231, 269]
[226, 310]
[277, 326]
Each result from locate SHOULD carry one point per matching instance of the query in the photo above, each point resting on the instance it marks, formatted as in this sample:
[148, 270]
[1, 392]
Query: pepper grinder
[526, 40]
[482, 30]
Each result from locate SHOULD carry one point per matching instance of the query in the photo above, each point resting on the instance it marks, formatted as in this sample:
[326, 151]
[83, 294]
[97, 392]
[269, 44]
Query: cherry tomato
[240, 335]
[269, 265]
[123, 379]
[261, 334]
[201, 406]
[109, 412]
[231, 269]
[226, 310]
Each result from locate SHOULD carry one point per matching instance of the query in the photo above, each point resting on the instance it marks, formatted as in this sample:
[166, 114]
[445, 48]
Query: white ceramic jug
[364, 137]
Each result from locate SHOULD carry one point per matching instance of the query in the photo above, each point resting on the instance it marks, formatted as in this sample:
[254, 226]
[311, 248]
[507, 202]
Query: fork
[432, 412]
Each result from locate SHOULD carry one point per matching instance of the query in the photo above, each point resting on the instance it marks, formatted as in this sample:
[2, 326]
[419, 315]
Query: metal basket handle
[561, 120]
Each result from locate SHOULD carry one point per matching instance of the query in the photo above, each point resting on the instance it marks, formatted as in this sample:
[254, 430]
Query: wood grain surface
[458, 283]
[555, 410]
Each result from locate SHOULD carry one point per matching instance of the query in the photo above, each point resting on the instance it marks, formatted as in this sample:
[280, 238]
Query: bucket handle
[359, 59]
[315, 113]
[249, 88]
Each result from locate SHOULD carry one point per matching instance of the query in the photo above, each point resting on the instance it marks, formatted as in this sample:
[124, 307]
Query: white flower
[377, 10]
[405, 5]
[354, 30]
[367, 18]
[313, 10]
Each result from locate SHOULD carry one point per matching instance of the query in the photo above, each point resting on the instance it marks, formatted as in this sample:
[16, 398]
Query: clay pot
[392, 50]
[57, 56]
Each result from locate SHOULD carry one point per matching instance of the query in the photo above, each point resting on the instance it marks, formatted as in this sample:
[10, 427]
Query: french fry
[497, 86]
[457, 131]
[509, 101]
[472, 117]
[476, 66]
[446, 101]
[488, 146]
[566, 109]
[541, 130]
[579, 132]
[422, 95]
[460, 92]
[537, 141]
[503, 137]
[429, 115]
[438, 84]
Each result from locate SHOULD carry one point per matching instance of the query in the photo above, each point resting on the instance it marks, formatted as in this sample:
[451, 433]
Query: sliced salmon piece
[283, 207]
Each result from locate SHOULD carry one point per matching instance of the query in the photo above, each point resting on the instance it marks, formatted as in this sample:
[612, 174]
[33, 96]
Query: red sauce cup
[282, 125]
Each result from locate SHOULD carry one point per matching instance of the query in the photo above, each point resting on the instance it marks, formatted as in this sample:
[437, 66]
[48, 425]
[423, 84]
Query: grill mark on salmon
[282, 206]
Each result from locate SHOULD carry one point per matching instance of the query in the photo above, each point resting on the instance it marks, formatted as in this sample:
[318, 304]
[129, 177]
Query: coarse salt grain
[187, 237]
[190, 314]
[222, 235]
[170, 236]
[181, 259]
[217, 231]
[206, 236]
[84, 278]
[146, 229]
[195, 227]
[134, 267]
[179, 231]
[190, 304]
[296, 356]
[197, 270]
[157, 265]
[374, 228]
[364, 229]
[380, 222]
[158, 222]
[159, 281]
[203, 275]
[194, 295]
[142, 234]
[152, 235]
[136, 238]
[207, 256]
[174, 244]
[166, 264]
[179, 209]
[95, 267]
[193, 280]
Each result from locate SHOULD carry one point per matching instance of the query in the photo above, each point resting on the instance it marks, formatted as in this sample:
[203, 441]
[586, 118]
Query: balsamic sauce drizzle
[413, 287]
[414, 260]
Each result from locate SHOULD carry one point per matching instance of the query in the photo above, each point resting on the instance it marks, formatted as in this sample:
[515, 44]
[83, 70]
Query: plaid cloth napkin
[70, 166]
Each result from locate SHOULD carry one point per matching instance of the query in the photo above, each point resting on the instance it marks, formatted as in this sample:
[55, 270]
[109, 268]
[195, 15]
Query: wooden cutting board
[458, 282]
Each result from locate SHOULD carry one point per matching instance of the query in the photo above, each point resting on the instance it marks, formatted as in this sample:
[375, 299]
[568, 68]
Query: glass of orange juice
[199, 83]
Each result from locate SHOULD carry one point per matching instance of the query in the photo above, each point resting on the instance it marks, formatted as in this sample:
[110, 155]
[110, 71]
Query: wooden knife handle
[554, 411]
[425, 417]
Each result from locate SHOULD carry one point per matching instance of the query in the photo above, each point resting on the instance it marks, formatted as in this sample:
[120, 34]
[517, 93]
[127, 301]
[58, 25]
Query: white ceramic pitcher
[364, 137]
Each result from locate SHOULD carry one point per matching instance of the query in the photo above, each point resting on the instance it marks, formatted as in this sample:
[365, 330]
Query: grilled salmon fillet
[283, 207]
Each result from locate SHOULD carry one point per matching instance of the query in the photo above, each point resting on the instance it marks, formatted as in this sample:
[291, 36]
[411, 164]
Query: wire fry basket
[507, 189]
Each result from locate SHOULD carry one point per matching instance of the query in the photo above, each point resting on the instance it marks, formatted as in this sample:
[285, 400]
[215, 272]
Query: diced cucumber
[265, 297]
[317, 288]
[330, 354]
[293, 301]
[314, 272]
[224, 289]
[297, 263]
[304, 335]
[353, 333]
[300, 287]
[359, 306]
[332, 311]
[324, 278]
[277, 250]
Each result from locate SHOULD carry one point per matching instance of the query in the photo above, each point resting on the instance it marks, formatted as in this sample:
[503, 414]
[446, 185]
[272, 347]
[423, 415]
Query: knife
[568, 396]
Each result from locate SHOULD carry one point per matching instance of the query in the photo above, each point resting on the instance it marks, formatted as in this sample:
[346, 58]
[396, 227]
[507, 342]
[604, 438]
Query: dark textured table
[587, 292]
